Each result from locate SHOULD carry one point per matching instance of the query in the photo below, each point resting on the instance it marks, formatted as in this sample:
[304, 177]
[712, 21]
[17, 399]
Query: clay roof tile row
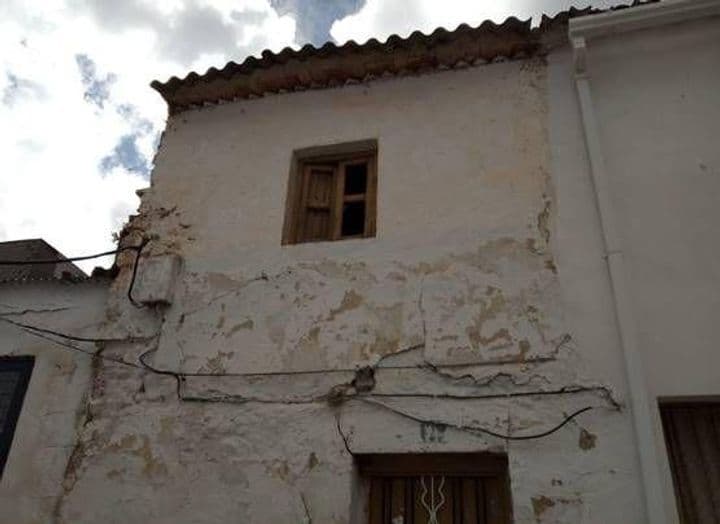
[35, 249]
[331, 65]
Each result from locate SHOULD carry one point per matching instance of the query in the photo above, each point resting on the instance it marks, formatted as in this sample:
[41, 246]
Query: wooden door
[437, 489]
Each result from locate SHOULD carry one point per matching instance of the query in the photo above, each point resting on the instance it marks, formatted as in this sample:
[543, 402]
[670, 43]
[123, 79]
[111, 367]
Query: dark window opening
[356, 179]
[353, 219]
[692, 435]
[14, 378]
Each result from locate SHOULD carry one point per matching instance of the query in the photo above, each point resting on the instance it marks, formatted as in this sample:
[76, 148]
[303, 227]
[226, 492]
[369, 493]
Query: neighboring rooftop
[330, 65]
[35, 249]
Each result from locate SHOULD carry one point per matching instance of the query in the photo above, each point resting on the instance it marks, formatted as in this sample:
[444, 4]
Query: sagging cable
[70, 259]
[478, 429]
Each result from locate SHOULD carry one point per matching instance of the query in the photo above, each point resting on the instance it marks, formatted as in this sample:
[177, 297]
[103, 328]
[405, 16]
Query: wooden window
[332, 197]
[14, 378]
[448, 488]
[692, 435]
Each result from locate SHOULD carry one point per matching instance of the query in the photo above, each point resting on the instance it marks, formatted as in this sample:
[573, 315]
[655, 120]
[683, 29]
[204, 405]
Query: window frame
[336, 157]
[492, 469]
[24, 366]
[692, 503]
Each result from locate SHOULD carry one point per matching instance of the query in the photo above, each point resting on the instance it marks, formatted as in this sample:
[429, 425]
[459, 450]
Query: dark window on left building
[14, 378]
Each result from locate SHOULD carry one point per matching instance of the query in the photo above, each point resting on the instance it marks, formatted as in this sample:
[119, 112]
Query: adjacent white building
[43, 385]
[463, 277]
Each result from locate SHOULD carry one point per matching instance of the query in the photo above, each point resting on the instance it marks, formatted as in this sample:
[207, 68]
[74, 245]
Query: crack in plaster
[32, 310]
[239, 286]
[308, 517]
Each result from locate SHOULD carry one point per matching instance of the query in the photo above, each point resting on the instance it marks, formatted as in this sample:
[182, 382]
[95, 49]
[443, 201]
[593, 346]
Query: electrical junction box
[155, 280]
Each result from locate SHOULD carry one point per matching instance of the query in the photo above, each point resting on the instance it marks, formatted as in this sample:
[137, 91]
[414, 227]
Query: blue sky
[79, 123]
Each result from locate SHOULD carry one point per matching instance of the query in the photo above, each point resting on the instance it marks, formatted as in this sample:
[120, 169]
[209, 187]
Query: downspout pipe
[639, 397]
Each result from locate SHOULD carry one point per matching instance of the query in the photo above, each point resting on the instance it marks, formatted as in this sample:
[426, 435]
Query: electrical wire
[70, 259]
[48, 334]
[92, 354]
[338, 426]
[138, 251]
[142, 358]
[134, 273]
[40, 332]
[39, 329]
[478, 429]
[180, 375]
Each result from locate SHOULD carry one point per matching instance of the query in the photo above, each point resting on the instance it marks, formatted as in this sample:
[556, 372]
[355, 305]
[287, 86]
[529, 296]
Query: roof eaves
[331, 65]
[25, 252]
[653, 14]
[31, 280]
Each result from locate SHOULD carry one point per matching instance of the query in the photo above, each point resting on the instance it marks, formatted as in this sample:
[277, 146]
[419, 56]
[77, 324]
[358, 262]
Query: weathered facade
[60, 297]
[484, 311]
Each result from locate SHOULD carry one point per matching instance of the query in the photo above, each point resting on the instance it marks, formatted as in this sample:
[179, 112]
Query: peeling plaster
[277, 363]
[587, 440]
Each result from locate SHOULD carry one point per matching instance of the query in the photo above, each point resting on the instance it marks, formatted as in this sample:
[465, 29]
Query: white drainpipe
[653, 462]
[658, 510]
[641, 406]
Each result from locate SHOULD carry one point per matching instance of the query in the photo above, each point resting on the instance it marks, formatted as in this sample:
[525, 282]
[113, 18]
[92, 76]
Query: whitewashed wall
[38, 469]
[464, 291]
[656, 95]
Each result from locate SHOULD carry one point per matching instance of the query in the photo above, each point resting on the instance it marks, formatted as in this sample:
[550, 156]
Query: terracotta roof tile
[35, 249]
[331, 65]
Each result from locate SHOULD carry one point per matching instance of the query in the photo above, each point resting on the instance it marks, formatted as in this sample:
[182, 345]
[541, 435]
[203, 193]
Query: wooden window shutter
[318, 212]
[332, 196]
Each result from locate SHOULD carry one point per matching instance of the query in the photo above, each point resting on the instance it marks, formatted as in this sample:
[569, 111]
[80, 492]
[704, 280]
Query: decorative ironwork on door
[432, 507]
[436, 489]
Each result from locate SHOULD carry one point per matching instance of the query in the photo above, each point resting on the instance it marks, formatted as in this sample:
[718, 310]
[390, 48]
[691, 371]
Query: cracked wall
[455, 312]
[54, 405]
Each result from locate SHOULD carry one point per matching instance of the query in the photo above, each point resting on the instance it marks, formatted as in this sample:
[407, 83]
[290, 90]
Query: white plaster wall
[462, 293]
[657, 104]
[54, 405]
[582, 272]
[462, 176]
[657, 97]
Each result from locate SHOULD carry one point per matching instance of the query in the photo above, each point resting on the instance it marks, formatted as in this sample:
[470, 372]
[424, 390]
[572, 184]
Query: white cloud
[382, 18]
[75, 95]
[57, 126]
